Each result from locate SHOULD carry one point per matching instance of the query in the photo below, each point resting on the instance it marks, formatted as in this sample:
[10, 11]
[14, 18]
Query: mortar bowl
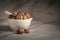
[14, 24]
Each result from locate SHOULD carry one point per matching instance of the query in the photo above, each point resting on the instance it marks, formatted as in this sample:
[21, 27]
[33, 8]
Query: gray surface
[38, 31]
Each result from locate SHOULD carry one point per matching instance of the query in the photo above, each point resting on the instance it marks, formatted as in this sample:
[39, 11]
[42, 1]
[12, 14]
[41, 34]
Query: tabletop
[38, 31]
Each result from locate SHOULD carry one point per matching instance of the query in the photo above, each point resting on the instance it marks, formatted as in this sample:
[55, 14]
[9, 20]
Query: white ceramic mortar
[15, 24]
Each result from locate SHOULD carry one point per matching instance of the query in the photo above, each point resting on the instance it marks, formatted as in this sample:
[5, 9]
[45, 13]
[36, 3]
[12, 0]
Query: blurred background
[45, 14]
[46, 11]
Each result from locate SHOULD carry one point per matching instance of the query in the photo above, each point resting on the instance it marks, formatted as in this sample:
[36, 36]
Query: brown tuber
[28, 15]
[26, 30]
[20, 31]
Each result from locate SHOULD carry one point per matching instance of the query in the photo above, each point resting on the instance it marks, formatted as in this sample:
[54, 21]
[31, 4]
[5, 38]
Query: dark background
[46, 11]
[45, 24]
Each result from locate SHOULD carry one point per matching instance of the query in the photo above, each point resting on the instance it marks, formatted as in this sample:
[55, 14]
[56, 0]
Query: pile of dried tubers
[19, 15]
[20, 31]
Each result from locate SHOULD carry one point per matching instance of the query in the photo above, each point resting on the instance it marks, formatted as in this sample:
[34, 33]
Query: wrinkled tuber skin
[24, 17]
[19, 15]
[11, 17]
[26, 30]
[20, 31]
[14, 13]
[28, 15]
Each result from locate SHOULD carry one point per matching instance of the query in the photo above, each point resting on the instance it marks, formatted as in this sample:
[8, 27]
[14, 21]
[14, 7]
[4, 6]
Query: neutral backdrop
[45, 24]
[47, 11]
